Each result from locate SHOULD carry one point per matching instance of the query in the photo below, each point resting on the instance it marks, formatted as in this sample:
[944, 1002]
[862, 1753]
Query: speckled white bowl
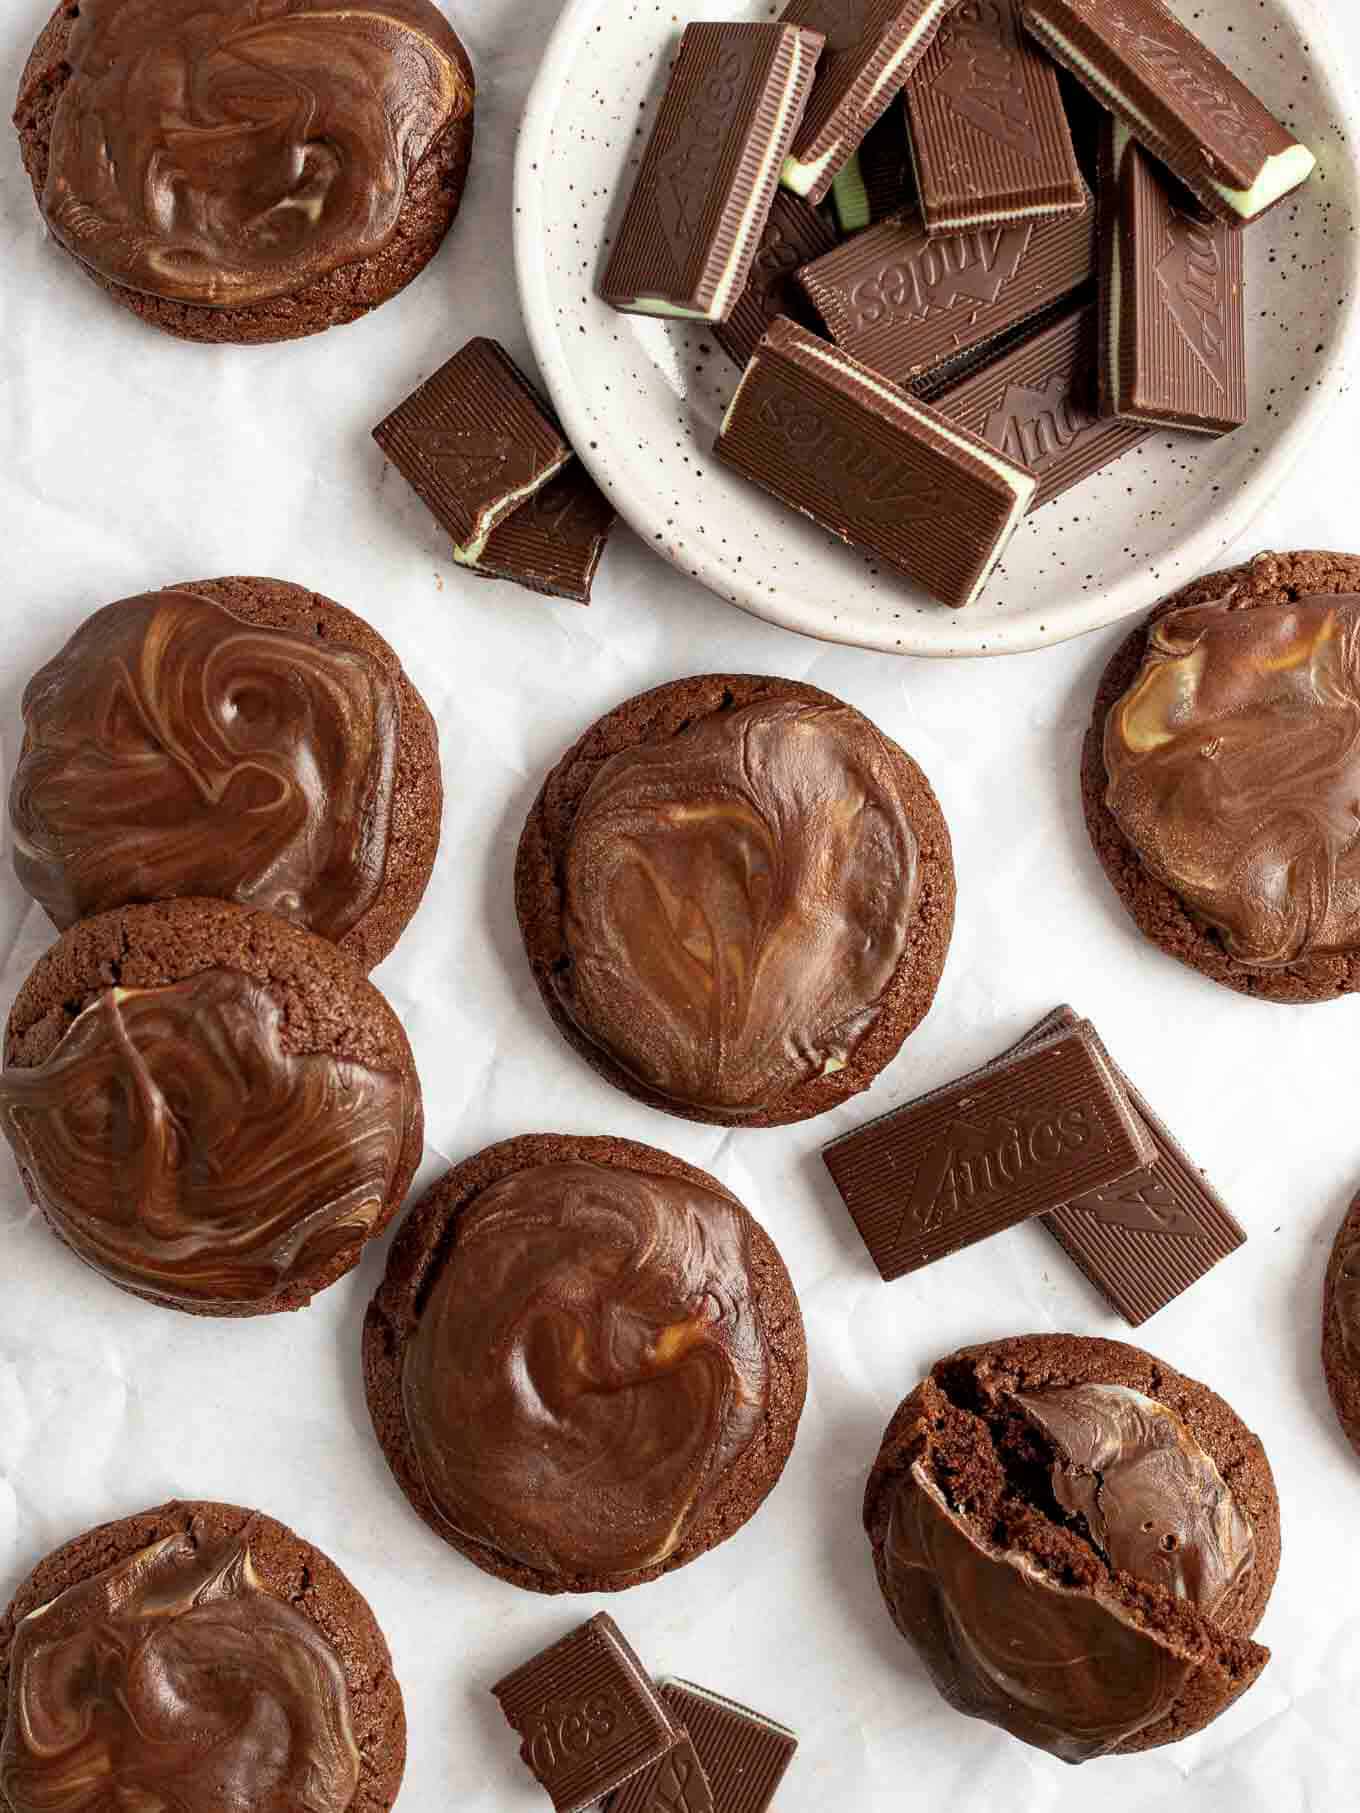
[642, 399]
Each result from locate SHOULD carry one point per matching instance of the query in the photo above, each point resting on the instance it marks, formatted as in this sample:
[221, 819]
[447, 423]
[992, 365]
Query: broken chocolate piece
[553, 544]
[474, 442]
[739, 1759]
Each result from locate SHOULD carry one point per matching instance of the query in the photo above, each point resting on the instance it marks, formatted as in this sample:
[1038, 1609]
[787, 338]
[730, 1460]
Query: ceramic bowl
[642, 399]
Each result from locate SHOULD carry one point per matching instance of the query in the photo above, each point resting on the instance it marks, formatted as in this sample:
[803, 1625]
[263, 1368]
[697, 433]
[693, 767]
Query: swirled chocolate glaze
[1061, 1668]
[587, 1367]
[1233, 766]
[172, 749]
[737, 900]
[1154, 1503]
[183, 1151]
[228, 151]
[174, 1683]
[1346, 1300]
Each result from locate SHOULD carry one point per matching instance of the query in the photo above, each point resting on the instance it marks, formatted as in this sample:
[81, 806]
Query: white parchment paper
[127, 461]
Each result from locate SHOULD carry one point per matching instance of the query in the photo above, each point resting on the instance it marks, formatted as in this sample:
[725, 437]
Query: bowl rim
[740, 584]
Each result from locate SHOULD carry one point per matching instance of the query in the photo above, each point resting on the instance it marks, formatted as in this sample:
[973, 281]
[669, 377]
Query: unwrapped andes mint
[831, 439]
[1177, 98]
[1047, 1122]
[1173, 319]
[475, 443]
[587, 1715]
[708, 176]
[731, 1761]
[989, 133]
[906, 304]
[1036, 402]
[872, 46]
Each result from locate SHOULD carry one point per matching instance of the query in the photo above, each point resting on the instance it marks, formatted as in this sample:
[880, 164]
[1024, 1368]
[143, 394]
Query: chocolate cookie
[240, 739]
[1221, 771]
[1341, 1325]
[736, 896]
[316, 173]
[586, 1364]
[195, 1656]
[1077, 1541]
[211, 1107]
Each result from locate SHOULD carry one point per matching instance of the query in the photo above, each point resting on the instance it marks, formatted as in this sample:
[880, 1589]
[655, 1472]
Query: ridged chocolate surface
[1036, 404]
[473, 440]
[1038, 1128]
[741, 1759]
[709, 173]
[989, 133]
[862, 70]
[794, 235]
[587, 1714]
[553, 543]
[873, 466]
[1173, 324]
[1145, 1240]
[1180, 100]
[903, 302]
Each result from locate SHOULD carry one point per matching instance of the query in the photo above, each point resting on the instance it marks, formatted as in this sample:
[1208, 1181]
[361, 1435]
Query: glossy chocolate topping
[1154, 1502]
[737, 900]
[1064, 1669]
[172, 749]
[1233, 765]
[174, 1683]
[1346, 1300]
[183, 1151]
[223, 152]
[588, 1366]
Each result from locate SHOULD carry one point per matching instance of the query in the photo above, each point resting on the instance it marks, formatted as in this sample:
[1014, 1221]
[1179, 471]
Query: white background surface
[127, 461]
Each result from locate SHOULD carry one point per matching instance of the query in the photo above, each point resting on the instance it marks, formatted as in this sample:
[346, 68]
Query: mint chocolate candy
[709, 174]
[906, 304]
[989, 133]
[475, 443]
[1173, 321]
[872, 46]
[1044, 1124]
[587, 1715]
[830, 438]
[730, 1761]
[1036, 403]
[1178, 100]
[794, 234]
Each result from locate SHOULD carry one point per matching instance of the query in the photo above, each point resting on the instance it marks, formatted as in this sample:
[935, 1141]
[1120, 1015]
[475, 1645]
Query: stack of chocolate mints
[595, 1730]
[884, 209]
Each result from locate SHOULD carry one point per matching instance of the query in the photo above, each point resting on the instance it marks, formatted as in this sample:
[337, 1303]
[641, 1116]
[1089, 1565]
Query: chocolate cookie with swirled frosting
[1078, 1542]
[736, 896]
[244, 739]
[195, 1656]
[586, 1363]
[1341, 1325]
[209, 1106]
[1221, 776]
[248, 170]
